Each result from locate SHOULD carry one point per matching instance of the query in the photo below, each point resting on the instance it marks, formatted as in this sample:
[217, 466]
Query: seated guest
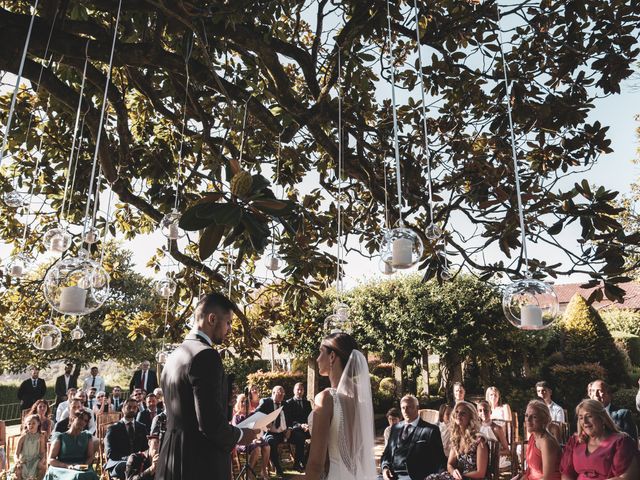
[259, 445]
[102, 404]
[138, 395]
[494, 432]
[91, 397]
[63, 407]
[638, 397]
[146, 416]
[142, 465]
[42, 410]
[444, 415]
[458, 393]
[116, 399]
[158, 393]
[499, 410]
[544, 392]
[469, 454]
[543, 450]
[621, 416]
[598, 450]
[277, 431]
[30, 451]
[71, 454]
[297, 411]
[393, 416]
[75, 408]
[415, 447]
[3, 440]
[254, 398]
[159, 425]
[124, 438]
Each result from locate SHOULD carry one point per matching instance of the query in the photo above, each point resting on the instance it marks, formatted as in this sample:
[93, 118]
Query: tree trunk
[398, 369]
[450, 372]
[424, 390]
[312, 379]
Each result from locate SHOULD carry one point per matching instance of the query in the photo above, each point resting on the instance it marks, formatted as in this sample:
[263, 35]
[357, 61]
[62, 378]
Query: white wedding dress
[351, 432]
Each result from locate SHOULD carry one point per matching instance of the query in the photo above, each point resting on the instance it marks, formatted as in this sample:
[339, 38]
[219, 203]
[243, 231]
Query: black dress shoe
[299, 467]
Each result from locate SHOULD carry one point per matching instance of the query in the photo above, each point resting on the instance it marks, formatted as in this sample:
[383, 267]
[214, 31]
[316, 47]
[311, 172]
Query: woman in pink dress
[598, 451]
[543, 450]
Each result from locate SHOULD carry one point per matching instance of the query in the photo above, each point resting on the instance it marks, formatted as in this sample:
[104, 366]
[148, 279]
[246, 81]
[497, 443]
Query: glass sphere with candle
[170, 225]
[166, 287]
[530, 304]
[77, 333]
[14, 199]
[273, 261]
[91, 235]
[401, 248]
[76, 285]
[57, 240]
[46, 337]
[433, 232]
[19, 265]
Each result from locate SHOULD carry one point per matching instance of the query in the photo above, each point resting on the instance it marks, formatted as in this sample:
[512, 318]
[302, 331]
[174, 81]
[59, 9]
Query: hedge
[571, 382]
[629, 344]
[265, 381]
[240, 368]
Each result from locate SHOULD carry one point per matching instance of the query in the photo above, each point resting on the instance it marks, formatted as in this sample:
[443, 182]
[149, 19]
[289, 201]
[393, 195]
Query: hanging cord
[96, 199]
[75, 168]
[17, 86]
[244, 125]
[395, 117]
[424, 111]
[513, 145]
[102, 113]
[165, 327]
[27, 207]
[229, 269]
[176, 202]
[75, 130]
[386, 196]
[273, 225]
[339, 271]
[107, 223]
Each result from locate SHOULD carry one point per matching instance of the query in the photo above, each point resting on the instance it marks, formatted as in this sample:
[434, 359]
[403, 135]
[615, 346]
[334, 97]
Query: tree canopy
[280, 59]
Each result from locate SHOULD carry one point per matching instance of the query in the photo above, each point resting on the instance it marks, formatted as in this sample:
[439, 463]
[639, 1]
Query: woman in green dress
[71, 453]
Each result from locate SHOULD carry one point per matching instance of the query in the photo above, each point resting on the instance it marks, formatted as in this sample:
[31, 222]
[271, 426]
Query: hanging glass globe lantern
[19, 265]
[530, 304]
[163, 354]
[433, 232]
[402, 248]
[77, 333]
[170, 225]
[445, 273]
[273, 261]
[91, 235]
[76, 285]
[57, 240]
[334, 324]
[46, 337]
[14, 199]
[166, 287]
[342, 311]
[385, 267]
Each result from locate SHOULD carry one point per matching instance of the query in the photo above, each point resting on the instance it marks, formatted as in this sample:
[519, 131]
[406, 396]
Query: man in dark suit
[622, 417]
[147, 415]
[297, 410]
[144, 378]
[124, 438]
[64, 382]
[277, 431]
[199, 438]
[116, 399]
[75, 407]
[414, 450]
[31, 389]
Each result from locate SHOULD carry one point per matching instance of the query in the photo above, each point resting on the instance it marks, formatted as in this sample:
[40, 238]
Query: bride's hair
[342, 344]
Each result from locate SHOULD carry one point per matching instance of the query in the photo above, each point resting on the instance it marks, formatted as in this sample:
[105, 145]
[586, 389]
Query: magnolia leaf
[209, 240]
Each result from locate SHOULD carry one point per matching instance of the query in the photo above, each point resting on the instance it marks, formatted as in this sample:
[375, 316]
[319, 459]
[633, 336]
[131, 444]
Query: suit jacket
[145, 417]
[28, 395]
[421, 454]
[199, 438]
[117, 446]
[118, 407]
[267, 405]
[152, 381]
[61, 386]
[297, 412]
[624, 420]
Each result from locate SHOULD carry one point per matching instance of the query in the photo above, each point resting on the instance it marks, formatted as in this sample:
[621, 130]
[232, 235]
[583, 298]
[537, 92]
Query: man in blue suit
[124, 438]
[621, 416]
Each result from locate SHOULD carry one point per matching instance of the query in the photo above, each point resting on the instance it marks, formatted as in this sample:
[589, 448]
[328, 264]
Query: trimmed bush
[622, 320]
[629, 344]
[241, 367]
[571, 383]
[586, 339]
[383, 370]
[383, 401]
[265, 381]
[388, 385]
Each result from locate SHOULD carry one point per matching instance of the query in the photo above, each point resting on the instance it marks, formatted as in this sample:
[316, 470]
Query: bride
[342, 420]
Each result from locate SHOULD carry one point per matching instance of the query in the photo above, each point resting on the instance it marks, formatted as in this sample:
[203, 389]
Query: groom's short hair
[409, 399]
[212, 301]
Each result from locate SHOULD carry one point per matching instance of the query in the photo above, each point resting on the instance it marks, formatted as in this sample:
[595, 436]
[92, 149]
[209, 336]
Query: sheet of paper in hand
[259, 420]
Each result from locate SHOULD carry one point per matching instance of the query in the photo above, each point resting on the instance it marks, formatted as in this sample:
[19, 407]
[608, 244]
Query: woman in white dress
[342, 420]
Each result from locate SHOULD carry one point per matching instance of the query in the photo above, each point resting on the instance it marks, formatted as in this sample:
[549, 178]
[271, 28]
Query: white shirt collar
[204, 336]
[414, 424]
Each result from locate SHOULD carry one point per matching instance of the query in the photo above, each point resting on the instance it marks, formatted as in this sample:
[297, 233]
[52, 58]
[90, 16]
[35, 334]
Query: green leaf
[274, 207]
[209, 240]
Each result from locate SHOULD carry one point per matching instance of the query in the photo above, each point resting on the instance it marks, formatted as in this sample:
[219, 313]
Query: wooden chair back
[429, 415]
[511, 431]
[493, 465]
[109, 417]
[101, 432]
[10, 451]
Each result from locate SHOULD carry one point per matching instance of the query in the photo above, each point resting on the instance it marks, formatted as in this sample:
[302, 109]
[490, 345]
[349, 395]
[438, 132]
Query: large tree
[280, 59]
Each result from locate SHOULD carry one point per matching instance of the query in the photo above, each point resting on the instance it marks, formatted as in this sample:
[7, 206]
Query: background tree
[280, 59]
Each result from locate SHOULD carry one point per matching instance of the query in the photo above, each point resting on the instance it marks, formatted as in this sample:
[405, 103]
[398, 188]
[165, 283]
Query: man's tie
[93, 382]
[131, 434]
[142, 380]
[277, 422]
[35, 383]
[406, 431]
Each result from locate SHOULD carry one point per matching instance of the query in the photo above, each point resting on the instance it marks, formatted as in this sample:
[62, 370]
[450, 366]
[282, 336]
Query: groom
[414, 450]
[199, 438]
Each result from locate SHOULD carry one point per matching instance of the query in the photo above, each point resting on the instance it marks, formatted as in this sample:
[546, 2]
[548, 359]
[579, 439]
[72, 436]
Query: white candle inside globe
[47, 342]
[173, 232]
[402, 253]
[57, 244]
[73, 299]
[273, 263]
[531, 316]
[16, 270]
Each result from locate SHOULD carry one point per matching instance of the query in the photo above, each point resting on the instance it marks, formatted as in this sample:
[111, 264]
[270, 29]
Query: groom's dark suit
[418, 455]
[199, 438]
